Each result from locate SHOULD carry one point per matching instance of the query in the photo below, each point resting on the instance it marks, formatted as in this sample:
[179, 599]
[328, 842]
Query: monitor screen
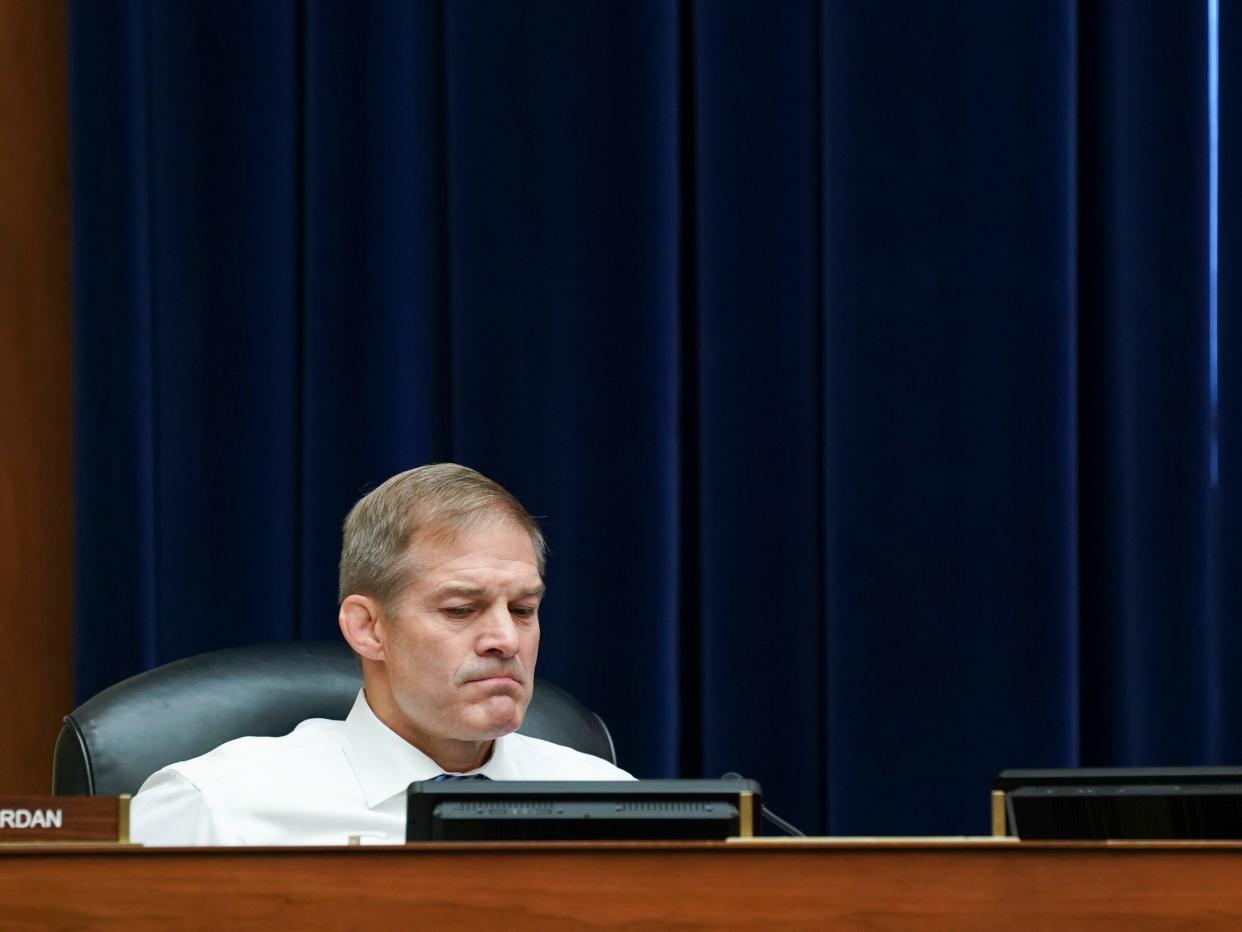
[1123, 803]
[544, 810]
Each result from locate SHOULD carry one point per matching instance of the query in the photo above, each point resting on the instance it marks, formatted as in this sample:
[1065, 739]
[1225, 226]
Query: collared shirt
[320, 784]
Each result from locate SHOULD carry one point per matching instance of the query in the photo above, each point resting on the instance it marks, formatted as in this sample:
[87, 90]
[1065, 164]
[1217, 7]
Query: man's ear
[361, 624]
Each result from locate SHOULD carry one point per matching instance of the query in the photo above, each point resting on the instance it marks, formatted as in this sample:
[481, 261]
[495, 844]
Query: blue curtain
[872, 367]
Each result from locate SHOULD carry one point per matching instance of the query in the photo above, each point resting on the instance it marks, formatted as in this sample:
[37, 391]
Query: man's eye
[458, 611]
[523, 611]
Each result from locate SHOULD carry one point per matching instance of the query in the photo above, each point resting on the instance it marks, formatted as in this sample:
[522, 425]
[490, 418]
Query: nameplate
[53, 819]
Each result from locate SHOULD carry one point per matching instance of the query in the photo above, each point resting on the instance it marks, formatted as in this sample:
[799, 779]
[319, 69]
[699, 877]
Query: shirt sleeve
[169, 810]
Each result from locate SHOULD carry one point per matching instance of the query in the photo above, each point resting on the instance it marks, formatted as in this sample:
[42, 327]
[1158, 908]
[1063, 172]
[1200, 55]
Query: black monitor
[1104, 803]
[545, 810]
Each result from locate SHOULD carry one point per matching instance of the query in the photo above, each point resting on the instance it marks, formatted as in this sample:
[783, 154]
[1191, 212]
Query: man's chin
[496, 717]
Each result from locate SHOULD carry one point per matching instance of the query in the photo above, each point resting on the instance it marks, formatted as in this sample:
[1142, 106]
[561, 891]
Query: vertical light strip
[1214, 678]
[1213, 12]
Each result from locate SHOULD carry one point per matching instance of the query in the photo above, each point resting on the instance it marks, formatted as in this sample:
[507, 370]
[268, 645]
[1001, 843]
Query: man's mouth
[495, 678]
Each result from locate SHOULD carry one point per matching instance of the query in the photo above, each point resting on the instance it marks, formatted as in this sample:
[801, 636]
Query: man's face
[461, 643]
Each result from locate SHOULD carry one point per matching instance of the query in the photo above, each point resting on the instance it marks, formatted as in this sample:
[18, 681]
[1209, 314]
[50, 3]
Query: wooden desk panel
[778, 885]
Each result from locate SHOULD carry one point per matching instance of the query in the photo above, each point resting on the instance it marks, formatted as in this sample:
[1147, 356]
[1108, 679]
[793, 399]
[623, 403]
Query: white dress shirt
[320, 784]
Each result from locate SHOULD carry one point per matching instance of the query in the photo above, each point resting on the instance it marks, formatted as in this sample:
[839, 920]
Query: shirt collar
[386, 764]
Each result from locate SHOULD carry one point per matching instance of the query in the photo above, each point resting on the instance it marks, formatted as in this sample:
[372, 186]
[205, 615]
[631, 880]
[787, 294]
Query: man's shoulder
[242, 759]
[536, 759]
[295, 789]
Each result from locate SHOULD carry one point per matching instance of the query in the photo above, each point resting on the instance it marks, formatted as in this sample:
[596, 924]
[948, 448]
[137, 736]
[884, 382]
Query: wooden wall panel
[36, 493]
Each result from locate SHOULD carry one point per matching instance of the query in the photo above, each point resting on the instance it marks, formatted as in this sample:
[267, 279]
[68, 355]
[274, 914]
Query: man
[440, 583]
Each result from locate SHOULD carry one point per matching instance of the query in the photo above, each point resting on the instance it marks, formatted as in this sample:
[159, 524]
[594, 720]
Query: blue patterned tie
[458, 776]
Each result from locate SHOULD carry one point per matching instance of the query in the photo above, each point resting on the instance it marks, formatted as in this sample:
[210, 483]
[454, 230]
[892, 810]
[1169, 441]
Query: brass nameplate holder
[746, 814]
[1000, 819]
[64, 819]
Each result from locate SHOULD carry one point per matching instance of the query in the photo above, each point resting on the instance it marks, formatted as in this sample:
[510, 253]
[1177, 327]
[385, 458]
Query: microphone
[767, 813]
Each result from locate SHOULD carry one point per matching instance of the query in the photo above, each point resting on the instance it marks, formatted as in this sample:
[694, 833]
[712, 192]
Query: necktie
[459, 776]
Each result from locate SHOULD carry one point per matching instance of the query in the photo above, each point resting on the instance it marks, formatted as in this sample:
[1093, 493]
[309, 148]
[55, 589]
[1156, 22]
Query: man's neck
[449, 755]
[460, 757]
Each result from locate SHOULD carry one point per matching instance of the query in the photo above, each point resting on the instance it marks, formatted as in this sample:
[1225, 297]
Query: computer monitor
[1096, 804]
[544, 810]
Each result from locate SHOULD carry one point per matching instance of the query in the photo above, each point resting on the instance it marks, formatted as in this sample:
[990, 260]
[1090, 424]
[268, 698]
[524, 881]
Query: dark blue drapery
[867, 363]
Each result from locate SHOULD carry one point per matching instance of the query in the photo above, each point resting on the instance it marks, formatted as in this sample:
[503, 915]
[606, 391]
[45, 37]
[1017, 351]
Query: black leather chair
[111, 743]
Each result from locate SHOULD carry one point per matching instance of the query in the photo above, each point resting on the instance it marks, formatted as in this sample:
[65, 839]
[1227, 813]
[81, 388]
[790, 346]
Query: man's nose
[499, 634]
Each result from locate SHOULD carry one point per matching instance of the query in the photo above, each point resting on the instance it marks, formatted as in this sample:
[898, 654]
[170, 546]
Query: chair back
[112, 742]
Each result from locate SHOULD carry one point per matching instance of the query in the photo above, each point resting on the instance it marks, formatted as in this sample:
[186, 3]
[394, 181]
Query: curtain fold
[1145, 428]
[756, 135]
[949, 313]
[863, 363]
[1224, 700]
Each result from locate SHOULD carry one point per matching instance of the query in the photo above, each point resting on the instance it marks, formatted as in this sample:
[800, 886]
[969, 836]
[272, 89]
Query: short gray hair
[439, 501]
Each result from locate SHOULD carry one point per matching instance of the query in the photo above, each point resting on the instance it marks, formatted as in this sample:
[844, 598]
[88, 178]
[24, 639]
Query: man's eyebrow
[459, 589]
[465, 590]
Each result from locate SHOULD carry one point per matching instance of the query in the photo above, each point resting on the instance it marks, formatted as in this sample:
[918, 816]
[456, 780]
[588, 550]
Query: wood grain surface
[36, 499]
[877, 886]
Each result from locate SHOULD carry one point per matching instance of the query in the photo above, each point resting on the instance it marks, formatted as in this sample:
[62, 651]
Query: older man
[441, 579]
